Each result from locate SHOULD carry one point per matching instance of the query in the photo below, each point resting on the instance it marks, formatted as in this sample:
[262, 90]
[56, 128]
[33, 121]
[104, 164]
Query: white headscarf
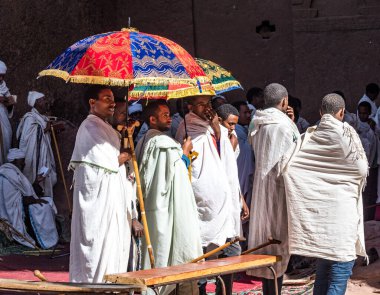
[3, 68]
[33, 96]
[134, 108]
[14, 154]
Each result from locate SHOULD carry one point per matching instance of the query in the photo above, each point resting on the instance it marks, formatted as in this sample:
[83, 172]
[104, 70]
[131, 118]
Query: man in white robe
[100, 226]
[272, 133]
[33, 134]
[324, 180]
[214, 179]
[170, 205]
[7, 102]
[29, 214]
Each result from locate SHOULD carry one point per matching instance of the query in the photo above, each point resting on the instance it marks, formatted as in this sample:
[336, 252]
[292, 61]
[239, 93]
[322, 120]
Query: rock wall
[312, 47]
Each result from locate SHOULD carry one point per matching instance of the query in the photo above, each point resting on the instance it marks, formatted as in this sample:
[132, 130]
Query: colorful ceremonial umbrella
[221, 81]
[127, 57]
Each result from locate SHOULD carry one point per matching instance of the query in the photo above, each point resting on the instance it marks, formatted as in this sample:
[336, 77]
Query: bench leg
[275, 278]
[176, 289]
[223, 285]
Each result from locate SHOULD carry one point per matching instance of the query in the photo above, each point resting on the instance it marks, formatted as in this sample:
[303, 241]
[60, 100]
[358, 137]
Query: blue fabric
[186, 160]
[152, 58]
[332, 276]
[68, 60]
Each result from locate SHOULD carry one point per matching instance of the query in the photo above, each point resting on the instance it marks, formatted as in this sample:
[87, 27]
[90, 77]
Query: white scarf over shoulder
[324, 182]
[272, 134]
[214, 180]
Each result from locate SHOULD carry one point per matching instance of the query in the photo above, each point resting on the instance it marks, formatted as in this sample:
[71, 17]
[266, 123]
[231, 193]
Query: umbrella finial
[129, 21]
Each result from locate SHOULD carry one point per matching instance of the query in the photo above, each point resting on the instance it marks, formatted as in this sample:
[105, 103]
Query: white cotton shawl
[272, 134]
[369, 141]
[210, 181]
[102, 198]
[31, 126]
[97, 144]
[13, 186]
[324, 182]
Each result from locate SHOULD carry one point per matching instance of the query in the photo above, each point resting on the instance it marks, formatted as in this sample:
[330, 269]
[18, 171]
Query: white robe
[100, 226]
[324, 182]
[272, 135]
[13, 187]
[5, 125]
[214, 180]
[170, 206]
[38, 150]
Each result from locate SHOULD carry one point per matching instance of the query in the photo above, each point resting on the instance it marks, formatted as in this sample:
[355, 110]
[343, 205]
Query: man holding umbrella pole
[100, 228]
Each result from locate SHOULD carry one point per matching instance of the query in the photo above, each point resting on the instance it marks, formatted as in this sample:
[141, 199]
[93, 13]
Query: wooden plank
[7, 284]
[193, 271]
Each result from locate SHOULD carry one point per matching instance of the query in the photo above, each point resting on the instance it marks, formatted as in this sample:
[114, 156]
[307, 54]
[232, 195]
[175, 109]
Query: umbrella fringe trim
[226, 85]
[168, 94]
[120, 82]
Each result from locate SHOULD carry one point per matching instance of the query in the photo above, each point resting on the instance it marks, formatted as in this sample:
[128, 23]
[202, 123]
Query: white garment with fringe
[324, 180]
[214, 180]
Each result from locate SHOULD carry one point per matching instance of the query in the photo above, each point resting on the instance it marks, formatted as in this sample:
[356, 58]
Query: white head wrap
[14, 154]
[33, 96]
[134, 108]
[3, 68]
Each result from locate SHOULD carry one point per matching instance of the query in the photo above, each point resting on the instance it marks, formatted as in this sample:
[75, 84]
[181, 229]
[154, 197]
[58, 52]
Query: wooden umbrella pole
[60, 168]
[220, 248]
[140, 196]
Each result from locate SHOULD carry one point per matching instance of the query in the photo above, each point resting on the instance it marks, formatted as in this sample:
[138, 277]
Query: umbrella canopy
[221, 81]
[126, 57]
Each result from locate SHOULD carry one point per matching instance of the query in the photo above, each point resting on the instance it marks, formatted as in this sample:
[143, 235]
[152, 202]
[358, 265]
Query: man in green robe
[170, 205]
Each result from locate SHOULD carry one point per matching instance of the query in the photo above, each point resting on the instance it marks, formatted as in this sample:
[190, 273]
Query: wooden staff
[129, 142]
[212, 252]
[60, 168]
[271, 241]
[20, 235]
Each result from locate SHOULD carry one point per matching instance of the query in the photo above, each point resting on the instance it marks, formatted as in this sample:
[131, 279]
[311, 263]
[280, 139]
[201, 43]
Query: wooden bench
[153, 278]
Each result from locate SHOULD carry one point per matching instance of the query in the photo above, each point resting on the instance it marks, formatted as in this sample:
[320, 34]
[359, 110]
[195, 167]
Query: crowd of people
[209, 173]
